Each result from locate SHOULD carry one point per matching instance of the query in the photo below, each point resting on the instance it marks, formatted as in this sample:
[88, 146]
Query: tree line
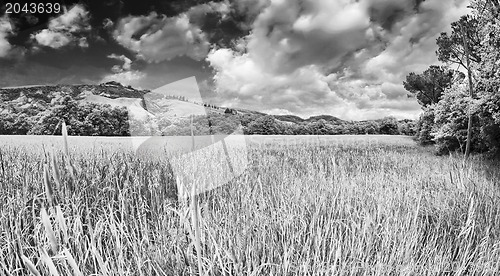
[90, 119]
[256, 124]
[459, 106]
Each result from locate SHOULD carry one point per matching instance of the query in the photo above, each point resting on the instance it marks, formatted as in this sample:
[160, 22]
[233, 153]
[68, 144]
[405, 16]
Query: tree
[488, 83]
[265, 125]
[451, 129]
[462, 47]
[407, 127]
[429, 86]
[389, 125]
[320, 127]
[88, 119]
[451, 47]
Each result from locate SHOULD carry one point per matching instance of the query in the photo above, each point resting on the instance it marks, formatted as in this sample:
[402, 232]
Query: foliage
[407, 127]
[445, 122]
[425, 125]
[429, 86]
[489, 119]
[450, 47]
[15, 124]
[389, 125]
[265, 125]
[451, 119]
[85, 119]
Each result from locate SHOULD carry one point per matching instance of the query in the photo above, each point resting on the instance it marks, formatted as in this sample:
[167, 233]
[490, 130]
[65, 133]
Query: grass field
[342, 205]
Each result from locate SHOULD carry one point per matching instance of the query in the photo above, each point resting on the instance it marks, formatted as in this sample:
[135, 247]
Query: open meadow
[303, 205]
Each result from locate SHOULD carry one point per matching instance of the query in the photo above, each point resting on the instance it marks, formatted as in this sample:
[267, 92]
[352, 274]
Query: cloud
[5, 31]
[346, 58]
[132, 78]
[242, 82]
[127, 63]
[290, 34]
[124, 73]
[8, 50]
[200, 11]
[72, 21]
[157, 38]
[52, 39]
[66, 29]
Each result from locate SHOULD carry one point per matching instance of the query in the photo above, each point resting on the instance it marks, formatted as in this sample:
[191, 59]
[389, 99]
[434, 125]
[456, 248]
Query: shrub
[451, 121]
[425, 125]
[389, 125]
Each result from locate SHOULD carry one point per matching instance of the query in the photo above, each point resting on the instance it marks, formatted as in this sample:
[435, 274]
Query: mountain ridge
[114, 90]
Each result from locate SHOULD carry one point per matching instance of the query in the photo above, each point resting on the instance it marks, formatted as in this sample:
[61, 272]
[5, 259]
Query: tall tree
[451, 48]
[462, 47]
[487, 86]
[471, 90]
[429, 86]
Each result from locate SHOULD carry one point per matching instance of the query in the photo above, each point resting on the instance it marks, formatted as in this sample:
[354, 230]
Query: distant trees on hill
[86, 119]
[175, 97]
[91, 119]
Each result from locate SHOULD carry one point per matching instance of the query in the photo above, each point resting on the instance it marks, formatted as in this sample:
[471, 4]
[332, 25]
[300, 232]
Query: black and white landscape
[250, 137]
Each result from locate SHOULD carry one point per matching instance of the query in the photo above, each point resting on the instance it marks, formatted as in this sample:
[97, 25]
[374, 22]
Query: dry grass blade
[192, 135]
[181, 192]
[1, 163]
[48, 230]
[64, 131]
[72, 171]
[69, 165]
[62, 223]
[49, 263]
[194, 212]
[196, 227]
[55, 170]
[30, 266]
[48, 187]
[72, 263]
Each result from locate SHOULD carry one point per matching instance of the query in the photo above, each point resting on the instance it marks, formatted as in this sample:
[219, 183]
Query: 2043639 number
[32, 8]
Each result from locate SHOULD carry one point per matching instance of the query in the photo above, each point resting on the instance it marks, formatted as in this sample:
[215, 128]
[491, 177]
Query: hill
[35, 99]
[110, 109]
[328, 118]
[289, 118]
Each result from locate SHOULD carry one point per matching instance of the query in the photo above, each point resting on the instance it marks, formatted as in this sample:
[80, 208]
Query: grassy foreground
[332, 207]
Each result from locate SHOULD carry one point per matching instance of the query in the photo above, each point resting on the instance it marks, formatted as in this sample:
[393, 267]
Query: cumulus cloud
[291, 34]
[343, 57]
[157, 38]
[199, 11]
[5, 31]
[127, 63]
[132, 78]
[123, 73]
[52, 39]
[8, 50]
[241, 81]
[66, 29]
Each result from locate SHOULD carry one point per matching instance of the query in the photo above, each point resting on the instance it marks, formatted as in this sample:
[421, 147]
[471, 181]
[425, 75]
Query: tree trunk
[471, 94]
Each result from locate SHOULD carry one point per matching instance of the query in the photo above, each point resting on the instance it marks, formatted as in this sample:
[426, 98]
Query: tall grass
[301, 209]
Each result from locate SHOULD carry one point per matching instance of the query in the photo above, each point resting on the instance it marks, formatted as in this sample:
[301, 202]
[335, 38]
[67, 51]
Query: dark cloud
[387, 13]
[156, 38]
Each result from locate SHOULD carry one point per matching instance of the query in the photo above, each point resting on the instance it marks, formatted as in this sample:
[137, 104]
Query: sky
[346, 58]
